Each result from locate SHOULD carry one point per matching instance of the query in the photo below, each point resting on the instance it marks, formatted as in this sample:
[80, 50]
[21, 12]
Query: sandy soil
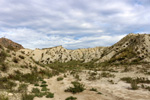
[118, 91]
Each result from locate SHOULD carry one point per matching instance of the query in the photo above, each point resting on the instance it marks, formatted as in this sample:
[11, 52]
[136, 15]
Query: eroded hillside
[132, 48]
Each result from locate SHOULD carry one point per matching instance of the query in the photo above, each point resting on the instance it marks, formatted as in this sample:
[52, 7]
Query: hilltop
[10, 44]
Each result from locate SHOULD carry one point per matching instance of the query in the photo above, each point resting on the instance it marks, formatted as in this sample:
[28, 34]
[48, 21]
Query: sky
[72, 23]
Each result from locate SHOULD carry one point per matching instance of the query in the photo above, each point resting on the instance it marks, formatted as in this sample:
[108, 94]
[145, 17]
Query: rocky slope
[61, 54]
[132, 48]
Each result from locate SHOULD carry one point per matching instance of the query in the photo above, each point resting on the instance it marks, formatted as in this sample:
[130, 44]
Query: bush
[3, 97]
[4, 67]
[35, 90]
[71, 98]
[36, 84]
[3, 56]
[27, 96]
[93, 89]
[99, 93]
[127, 79]
[134, 85]
[41, 94]
[6, 84]
[78, 87]
[15, 60]
[44, 89]
[59, 78]
[107, 75]
[43, 82]
[20, 56]
[44, 85]
[22, 88]
[138, 80]
[50, 95]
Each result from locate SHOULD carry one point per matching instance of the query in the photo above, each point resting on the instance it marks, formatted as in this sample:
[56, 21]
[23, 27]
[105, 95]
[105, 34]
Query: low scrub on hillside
[77, 87]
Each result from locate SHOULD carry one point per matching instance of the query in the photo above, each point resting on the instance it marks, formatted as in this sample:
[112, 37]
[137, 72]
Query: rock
[10, 94]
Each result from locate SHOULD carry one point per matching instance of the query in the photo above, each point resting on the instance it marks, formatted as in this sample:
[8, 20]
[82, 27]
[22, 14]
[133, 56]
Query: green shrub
[41, 94]
[44, 85]
[60, 78]
[50, 95]
[3, 56]
[127, 79]
[107, 75]
[134, 85]
[93, 89]
[43, 82]
[35, 90]
[31, 78]
[99, 93]
[36, 84]
[138, 80]
[22, 88]
[26, 96]
[65, 75]
[20, 56]
[77, 77]
[4, 67]
[5, 83]
[71, 98]
[78, 87]
[11, 47]
[15, 60]
[44, 89]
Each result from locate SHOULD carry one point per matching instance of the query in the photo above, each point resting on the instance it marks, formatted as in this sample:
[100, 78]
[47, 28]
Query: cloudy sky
[72, 23]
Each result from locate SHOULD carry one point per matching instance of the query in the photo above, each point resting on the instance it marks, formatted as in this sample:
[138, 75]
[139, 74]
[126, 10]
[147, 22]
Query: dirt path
[58, 87]
[118, 91]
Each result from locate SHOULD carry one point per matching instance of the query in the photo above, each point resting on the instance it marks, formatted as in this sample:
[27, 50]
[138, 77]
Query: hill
[10, 44]
[106, 73]
[132, 48]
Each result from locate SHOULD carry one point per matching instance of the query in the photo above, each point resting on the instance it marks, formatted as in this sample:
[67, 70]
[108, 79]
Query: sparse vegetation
[35, 90]
[15, 60]
[44, 89]
[3, 56]
[107, 75]
[22, 88]
[60, 78]
[138, 80]
[71, 98]
[78, 87]
[134, 85]
[93, 89]
[4, 67]
[26, 96]
[22, 57]
[6, 83]
[50, 95]
[3, 97]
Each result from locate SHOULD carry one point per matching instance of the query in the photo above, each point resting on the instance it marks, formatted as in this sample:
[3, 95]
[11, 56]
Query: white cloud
[43, 22]
[32, 39]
